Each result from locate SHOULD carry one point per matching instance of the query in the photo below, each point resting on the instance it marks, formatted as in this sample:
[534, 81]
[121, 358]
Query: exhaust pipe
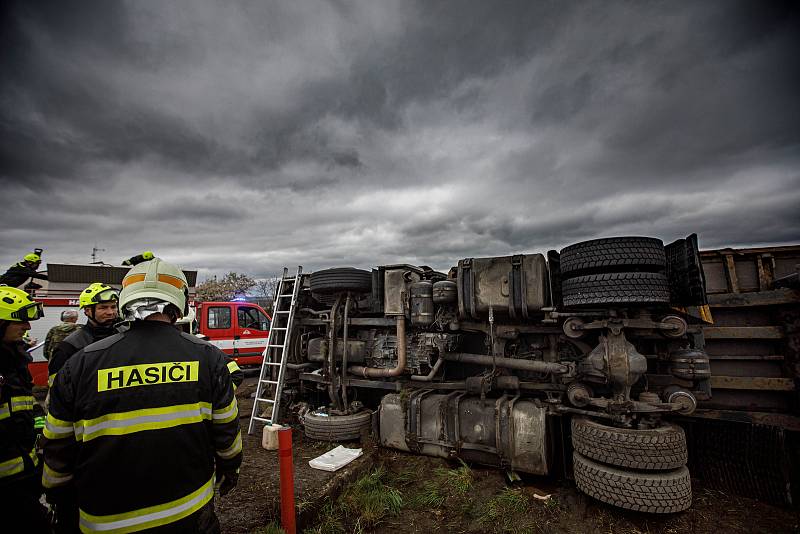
[397, 370]
[535, 366]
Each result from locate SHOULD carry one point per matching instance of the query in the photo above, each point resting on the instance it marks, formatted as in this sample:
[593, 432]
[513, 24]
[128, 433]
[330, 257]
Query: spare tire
[324, 427]
[614, 254]
[655, 449]
[615, 288]
[662, 492]
[341, 279]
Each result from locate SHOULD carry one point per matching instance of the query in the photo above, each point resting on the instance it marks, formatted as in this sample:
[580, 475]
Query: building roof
[86, 274]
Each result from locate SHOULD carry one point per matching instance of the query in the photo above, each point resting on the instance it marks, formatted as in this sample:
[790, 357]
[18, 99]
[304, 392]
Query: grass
[445, 485]
[503, 511]
[363, 505]
[272, 528]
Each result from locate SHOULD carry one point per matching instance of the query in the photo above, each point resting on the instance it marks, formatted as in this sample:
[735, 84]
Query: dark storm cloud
[251, 135]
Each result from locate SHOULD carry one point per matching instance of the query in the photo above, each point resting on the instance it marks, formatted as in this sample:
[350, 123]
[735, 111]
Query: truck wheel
[615, 288]
[336, 427]
[613, 254]
[341, 279]
[656, 449]
[662, 492]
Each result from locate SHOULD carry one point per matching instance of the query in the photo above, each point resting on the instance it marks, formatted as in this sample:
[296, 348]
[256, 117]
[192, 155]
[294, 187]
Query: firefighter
[99, 304]
[20, 487]
[139, 258]
[141, 421]
[17, 274]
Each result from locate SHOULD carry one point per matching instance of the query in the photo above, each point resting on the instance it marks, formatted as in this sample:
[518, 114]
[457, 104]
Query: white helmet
[155, 280]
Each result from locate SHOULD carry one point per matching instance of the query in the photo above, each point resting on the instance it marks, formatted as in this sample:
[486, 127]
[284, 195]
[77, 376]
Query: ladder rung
[282, 311]
[269, 381]
[262, 419]
[278, 328]
[285, 296]
[265, 400]
[272, 363]
[275, 346]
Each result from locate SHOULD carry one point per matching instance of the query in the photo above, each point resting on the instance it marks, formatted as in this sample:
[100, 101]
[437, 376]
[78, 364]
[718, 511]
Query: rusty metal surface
[753, 345]
[752, 382]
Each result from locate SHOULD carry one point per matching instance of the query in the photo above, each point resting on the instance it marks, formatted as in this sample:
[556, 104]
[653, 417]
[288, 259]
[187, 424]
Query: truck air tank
[445, 292]
[422, 303]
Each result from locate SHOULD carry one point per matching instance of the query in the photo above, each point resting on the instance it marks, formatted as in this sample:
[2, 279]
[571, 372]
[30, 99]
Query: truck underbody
[493, 360]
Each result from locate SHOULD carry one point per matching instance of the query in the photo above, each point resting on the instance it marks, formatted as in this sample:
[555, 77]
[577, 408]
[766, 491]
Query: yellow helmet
[97, 293]
[33, 258]
[156, 279]
[17, 305]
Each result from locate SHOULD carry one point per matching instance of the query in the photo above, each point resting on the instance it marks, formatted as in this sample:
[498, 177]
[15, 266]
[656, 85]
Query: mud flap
[687, 282]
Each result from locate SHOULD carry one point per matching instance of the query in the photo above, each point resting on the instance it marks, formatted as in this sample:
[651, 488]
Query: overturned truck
[515, 361]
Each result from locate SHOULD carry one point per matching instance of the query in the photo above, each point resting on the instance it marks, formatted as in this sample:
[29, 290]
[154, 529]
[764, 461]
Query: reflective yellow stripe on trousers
[19, 404]
[150, 517]
[4, 411]
[16, 465]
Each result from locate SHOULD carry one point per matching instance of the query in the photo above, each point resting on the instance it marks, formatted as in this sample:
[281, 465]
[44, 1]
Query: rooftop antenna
[95, 250]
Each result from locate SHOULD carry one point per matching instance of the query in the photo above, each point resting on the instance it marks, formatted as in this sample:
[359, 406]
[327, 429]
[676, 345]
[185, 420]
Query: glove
[227, 481]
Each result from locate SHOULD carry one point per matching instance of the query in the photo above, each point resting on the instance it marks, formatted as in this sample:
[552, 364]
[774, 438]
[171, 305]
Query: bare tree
[265, 288]
[231, 285]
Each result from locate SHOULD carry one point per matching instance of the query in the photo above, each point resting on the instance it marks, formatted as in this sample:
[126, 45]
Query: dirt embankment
[388, 491]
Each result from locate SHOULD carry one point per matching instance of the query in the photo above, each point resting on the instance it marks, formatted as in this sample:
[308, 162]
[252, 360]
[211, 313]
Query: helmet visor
[31, 312]
[107, 295]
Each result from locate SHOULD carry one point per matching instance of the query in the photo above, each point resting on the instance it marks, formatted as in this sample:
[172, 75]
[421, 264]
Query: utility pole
[95, 250]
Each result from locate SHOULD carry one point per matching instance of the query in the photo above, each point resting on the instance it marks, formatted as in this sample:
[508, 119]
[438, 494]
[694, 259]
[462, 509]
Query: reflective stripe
[19, 404]
[17, 465]
[12, 467]
[150, 517]
[233, 367]
[118, 424]
[4, 411]
[227, 414]
[233, 450]
[57, 429]
[52, 478]
[51, 379]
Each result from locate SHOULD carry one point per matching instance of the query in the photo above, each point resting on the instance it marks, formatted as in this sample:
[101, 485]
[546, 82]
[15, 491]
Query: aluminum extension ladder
[275, 354]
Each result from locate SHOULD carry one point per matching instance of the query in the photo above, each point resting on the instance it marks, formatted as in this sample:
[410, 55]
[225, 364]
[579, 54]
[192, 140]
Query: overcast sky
[249, 136]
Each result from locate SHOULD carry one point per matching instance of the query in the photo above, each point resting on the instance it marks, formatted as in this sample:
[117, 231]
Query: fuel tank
[506, 432]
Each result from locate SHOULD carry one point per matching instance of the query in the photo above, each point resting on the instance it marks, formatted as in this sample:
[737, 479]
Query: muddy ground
[392, 492]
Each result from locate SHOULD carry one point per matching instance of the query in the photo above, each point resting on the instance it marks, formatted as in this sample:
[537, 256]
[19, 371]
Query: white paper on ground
[335, 459]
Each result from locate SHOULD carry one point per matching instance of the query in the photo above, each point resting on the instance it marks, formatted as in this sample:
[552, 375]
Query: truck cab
[239, 329]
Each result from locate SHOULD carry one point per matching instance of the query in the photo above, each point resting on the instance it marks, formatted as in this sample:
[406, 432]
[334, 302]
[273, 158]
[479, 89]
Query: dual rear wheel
[641, 470]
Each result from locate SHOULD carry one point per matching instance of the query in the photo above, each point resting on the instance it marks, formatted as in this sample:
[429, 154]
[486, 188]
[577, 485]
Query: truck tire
[659, 449]
[615, 288]
[662, 492]
[614, 254]
[341, 279]
[336, 427]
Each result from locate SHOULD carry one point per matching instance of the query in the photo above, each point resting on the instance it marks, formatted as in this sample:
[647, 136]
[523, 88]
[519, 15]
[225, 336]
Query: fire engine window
[252, 318]
[219, 317]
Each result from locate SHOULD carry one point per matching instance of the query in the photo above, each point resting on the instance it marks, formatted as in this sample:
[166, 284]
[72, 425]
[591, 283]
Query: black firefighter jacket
[138, 422]
[17, 274]
[17, 436]
[74, 342]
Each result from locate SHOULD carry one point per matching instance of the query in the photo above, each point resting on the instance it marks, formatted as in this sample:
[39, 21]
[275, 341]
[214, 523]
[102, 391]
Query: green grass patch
[372, 499]
[272, 528]
[363, 505]
[502, 512]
